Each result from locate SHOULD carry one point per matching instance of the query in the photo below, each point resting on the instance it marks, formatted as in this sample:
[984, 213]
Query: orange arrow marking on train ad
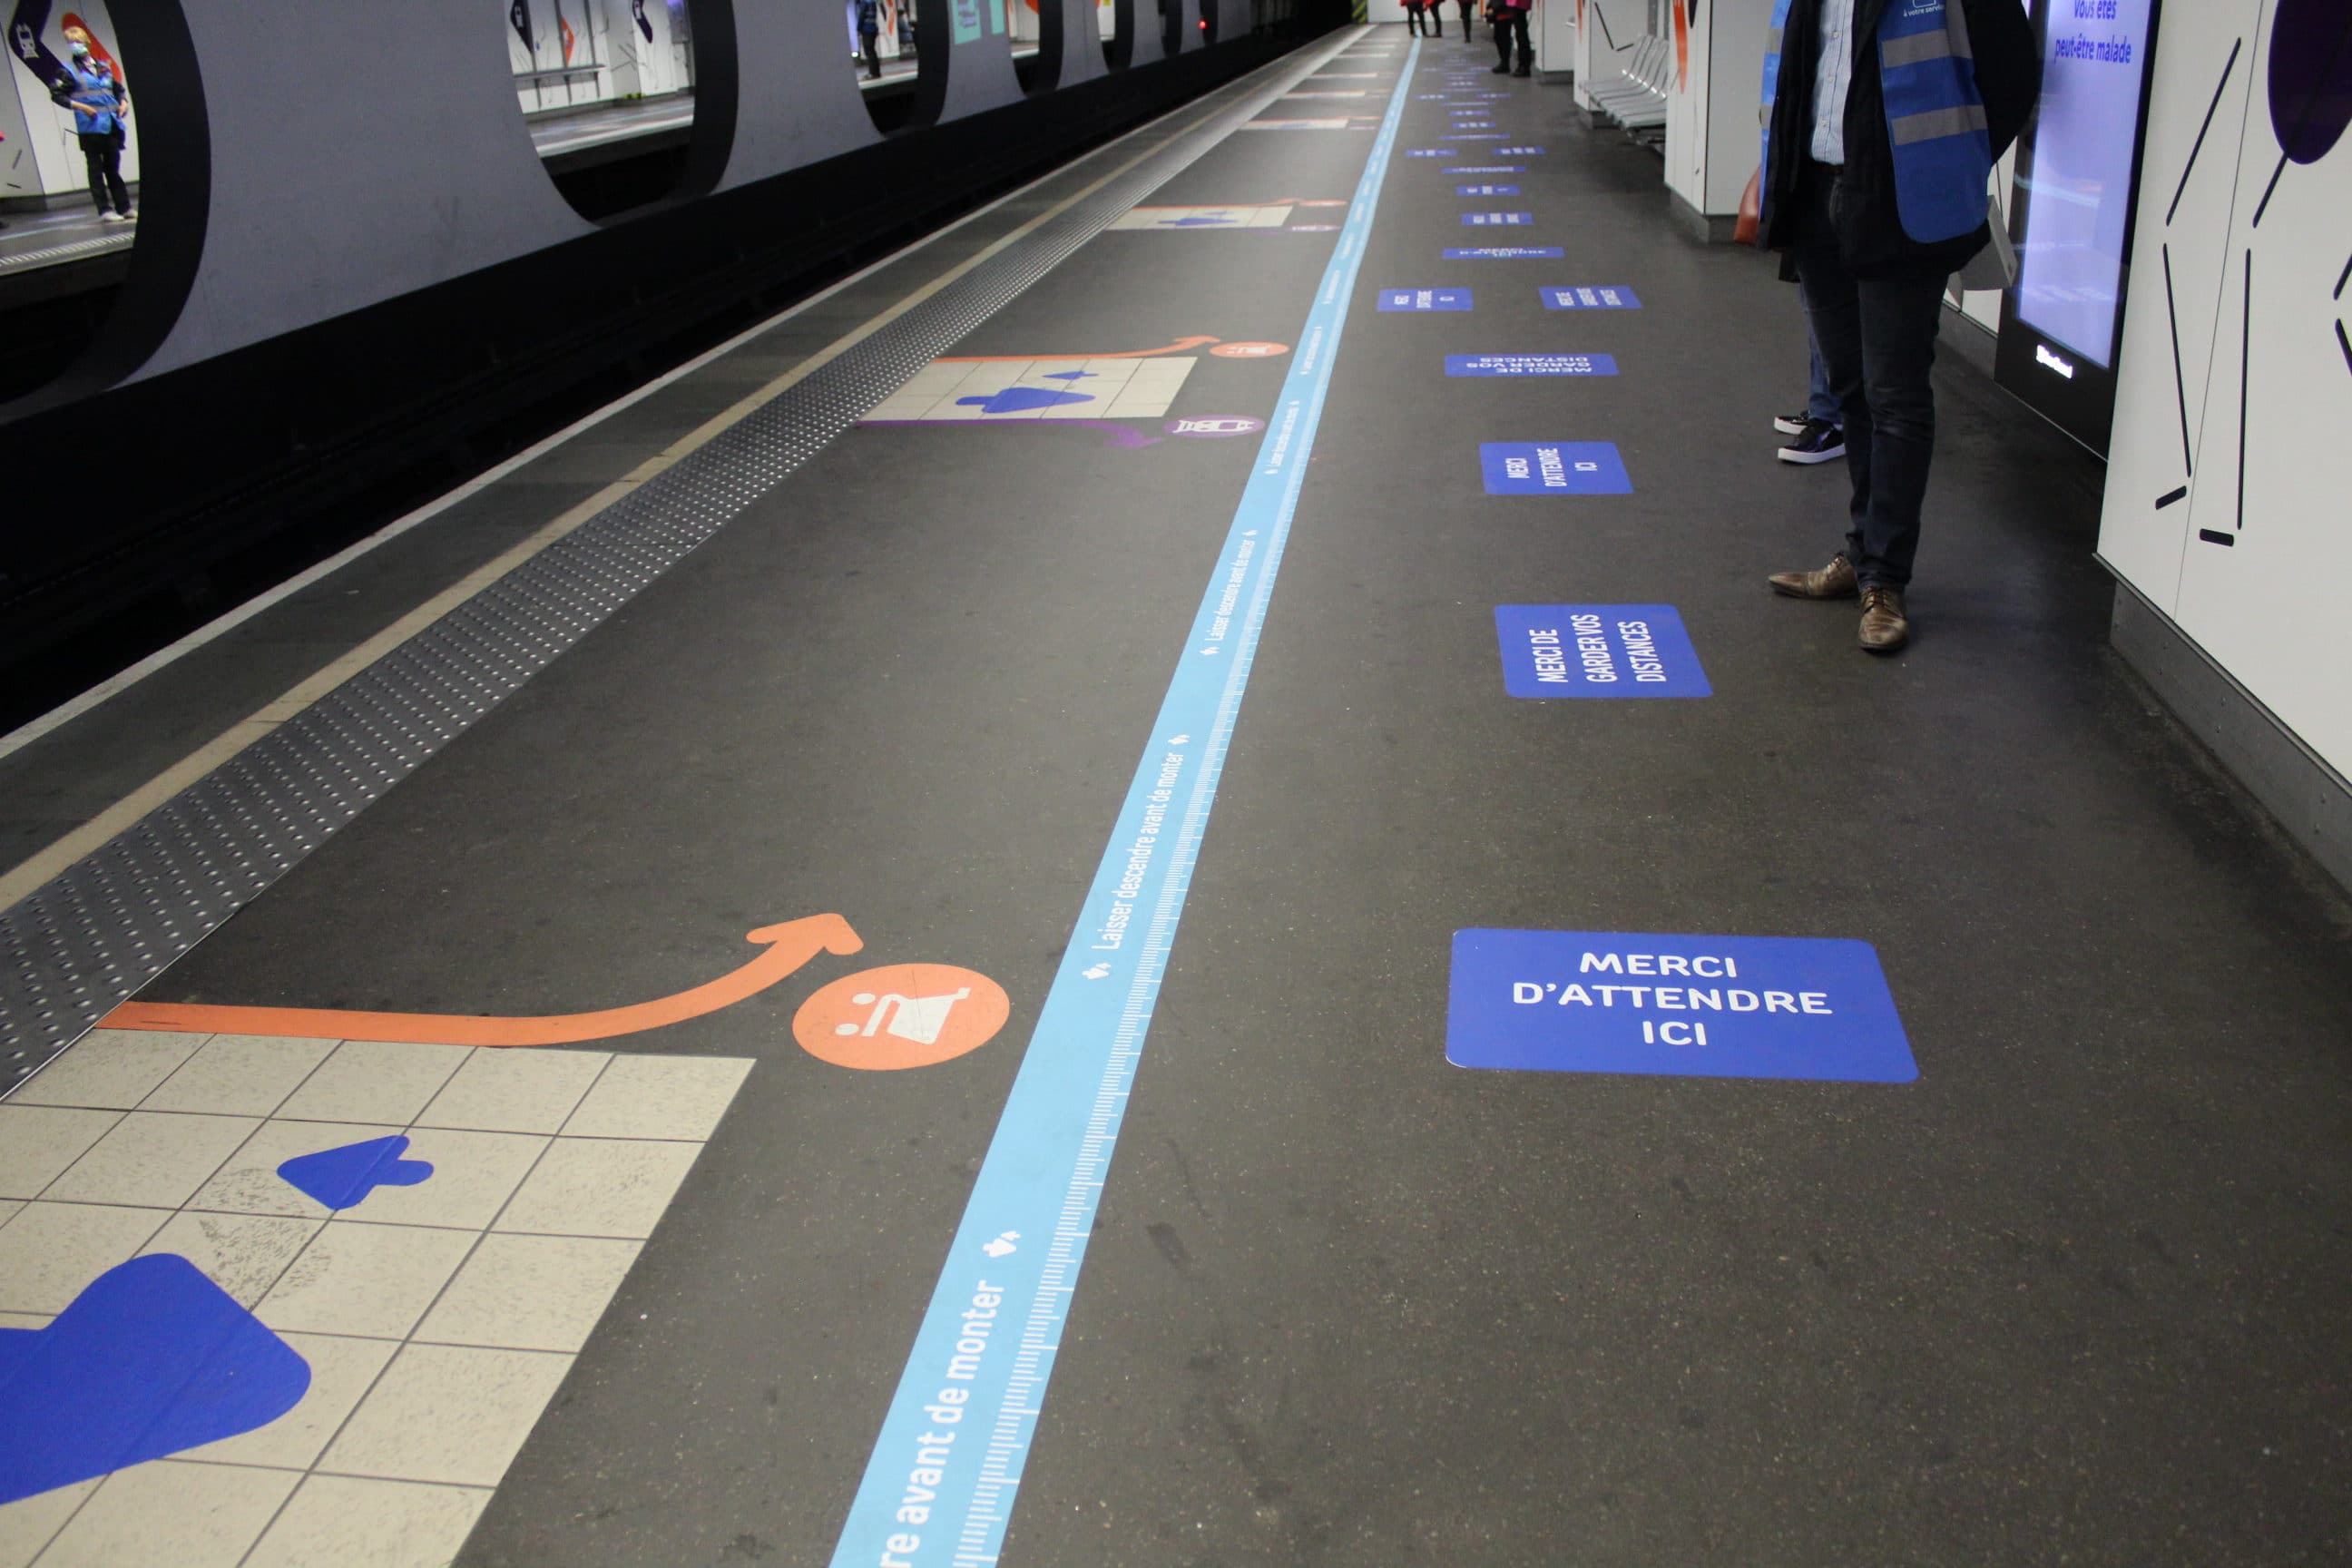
[790, 946]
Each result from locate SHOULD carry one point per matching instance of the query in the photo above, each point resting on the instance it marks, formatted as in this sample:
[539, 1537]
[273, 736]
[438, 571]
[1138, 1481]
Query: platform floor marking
[938, 1487]
[438, 1317]
[1077, 388]
[1271, 216]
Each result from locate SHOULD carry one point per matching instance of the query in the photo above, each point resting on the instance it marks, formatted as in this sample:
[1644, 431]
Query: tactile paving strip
[90, 939]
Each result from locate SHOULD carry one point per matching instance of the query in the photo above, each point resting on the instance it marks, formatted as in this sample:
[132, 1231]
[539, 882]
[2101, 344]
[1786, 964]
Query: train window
[607, 89]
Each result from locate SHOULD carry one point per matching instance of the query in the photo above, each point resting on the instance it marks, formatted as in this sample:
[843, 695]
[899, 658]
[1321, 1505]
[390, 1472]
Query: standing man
[1510, 21]
[1884, 122]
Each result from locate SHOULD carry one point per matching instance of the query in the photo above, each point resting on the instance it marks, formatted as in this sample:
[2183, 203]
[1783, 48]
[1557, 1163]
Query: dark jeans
[1465, 9]
[1878, 337]
[1413, 19]
[102, 150]
[873, 60]
[1514, 24]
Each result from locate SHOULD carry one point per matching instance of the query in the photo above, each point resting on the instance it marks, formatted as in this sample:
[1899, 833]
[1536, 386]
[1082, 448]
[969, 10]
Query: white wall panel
[2260, 310]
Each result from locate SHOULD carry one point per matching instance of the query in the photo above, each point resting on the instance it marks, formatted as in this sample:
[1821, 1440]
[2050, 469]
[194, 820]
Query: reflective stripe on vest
[1935, 119]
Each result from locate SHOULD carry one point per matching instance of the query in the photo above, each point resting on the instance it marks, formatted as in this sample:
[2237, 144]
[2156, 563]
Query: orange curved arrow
[1178, 347]
[790, 945]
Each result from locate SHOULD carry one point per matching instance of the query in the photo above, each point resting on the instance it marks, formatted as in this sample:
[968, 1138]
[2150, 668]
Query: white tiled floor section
[1173, 218]
[1118, 388]
[438, 1319]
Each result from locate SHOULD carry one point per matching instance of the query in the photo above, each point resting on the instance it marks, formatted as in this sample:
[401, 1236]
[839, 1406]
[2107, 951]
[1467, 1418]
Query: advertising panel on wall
[2077, 167]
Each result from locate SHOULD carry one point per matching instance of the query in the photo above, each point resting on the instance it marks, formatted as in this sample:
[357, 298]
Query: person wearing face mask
[99, 105]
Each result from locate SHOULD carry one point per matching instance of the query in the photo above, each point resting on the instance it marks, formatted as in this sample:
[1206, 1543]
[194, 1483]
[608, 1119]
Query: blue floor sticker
[150, 1358]
[939, 1485]
[1519, 152]
[1488, 169]
[1553, 467]
[1695, 1006]
[1597, 651]
[1591, 297]
[1503, 252]
[1530, 364]
[1486, 190]
[342, 1177]
[1432, 153]
[1498, 220]
[1424, 299]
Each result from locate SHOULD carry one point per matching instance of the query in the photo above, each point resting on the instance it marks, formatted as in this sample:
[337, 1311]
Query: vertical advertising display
[2077, 175]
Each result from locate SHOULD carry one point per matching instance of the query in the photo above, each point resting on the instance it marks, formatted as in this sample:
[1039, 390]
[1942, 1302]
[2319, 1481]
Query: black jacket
[1870, 231]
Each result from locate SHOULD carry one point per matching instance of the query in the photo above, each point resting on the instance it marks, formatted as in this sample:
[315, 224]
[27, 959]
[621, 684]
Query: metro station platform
[1248, 1051]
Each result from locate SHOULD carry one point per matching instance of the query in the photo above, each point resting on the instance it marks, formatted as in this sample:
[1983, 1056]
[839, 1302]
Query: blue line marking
[938, 1487]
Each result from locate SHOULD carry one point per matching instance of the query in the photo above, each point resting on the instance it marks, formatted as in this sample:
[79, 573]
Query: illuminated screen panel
[2083, 144]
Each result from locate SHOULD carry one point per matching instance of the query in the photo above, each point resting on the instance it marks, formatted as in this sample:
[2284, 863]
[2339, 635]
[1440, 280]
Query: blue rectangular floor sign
[1486, 190]
[1503, 252]
[1488, 169]
[1597, 651]
[1696, 1006]
[1591, 297]
[1553, 467]
[1520, 151]
[1424, 299]
[1432, 153]
[1498, 220]
[1530, 364]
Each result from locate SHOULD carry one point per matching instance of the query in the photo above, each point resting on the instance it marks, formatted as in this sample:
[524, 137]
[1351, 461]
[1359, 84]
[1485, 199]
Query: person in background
[1511, 20]
[1464, 7]
[1819, 430]
[1416, 17]
[100, 104]
[1883, 124]
[869, 28]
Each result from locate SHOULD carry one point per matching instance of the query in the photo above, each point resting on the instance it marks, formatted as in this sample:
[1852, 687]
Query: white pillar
[1714, 128]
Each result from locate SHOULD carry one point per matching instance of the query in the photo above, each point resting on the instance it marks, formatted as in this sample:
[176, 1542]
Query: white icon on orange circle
[901, 1015]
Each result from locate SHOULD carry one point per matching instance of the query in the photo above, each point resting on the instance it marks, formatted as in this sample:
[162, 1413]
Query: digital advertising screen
[2084, 148]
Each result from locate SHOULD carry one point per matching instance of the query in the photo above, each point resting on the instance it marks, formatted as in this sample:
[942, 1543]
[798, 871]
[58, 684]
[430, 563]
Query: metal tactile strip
[90, 938]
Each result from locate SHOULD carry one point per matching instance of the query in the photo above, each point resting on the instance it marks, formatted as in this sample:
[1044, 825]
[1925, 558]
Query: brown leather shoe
[1885, 627]
[1834, 581]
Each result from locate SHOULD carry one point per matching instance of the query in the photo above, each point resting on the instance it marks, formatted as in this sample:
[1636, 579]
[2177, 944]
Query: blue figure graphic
[1022, 399]
[150, 1358]
[1069, 375]
[341, 1178]
[1198, 222]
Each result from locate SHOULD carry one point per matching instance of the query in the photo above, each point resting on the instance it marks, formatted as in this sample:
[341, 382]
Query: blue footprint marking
[1022, 399]
[150, 1358]
[340, 1178]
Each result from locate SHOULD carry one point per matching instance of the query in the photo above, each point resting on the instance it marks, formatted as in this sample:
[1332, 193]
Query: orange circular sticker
[1250, 351]
[901, 1015]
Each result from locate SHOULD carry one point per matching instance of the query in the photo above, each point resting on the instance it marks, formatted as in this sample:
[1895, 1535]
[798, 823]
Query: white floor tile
[660, 1097]
[243, 1254]
[152, 1158]
[187, 1516]
[109, 1068]
[447, 1413]
[369, 1279]
[370, 1080]
[343, 1521]
[239, 1075]
[49, 1251]
[248, 1182]
[515, 1091]
[341, 1371]
[39, 1142]
[27, 1524]
[474, 1174]
[529, 1292]
[599, 1187]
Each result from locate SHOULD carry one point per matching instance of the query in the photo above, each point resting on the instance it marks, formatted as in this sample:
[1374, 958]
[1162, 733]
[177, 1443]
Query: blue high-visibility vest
[1934, 117]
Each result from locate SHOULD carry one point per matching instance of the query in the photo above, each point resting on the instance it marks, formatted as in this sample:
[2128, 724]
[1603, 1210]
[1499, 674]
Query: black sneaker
[1820, 443]
[1790, 424]
[1500, 70]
